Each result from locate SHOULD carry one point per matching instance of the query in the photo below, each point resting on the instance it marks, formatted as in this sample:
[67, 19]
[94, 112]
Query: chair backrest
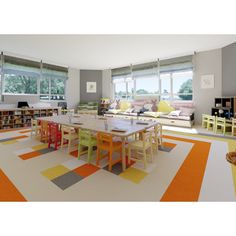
[66, 129]
[220, 120]
[205, 117]
[234, 122]
[211, 118]
[146, 138]
[54, 129]
[104, 140]
[85, 137]
[34, 123]
[44, 130]
[44, 125]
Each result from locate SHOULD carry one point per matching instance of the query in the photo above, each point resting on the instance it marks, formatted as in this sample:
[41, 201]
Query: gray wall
[90, 76]
[229, 70]
[107, 86]
[73, 88]
[205, 63]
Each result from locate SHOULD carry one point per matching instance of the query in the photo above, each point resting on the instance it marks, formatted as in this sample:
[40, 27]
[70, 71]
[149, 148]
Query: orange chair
[44, 131]
[106, 143]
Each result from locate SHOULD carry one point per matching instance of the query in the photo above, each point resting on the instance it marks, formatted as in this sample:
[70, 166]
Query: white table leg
[123, 154]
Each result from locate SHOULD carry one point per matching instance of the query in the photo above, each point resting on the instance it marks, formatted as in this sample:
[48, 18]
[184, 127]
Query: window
[53, 82]
[169, 79]
[165, 86]
[19, 84]
[182, 85]
[177, 85]
[146, 79]
[20, 76]
[123, 83]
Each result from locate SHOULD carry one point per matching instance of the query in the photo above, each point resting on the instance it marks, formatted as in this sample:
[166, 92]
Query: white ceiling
[108, 51]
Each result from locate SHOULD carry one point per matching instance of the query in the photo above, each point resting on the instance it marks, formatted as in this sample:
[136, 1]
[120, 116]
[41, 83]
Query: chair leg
[129, 155]
[90, 151]
[79, 150]
[68, 148]
[110, 161]
[144, 159]
[151, 153]
[98, 157]
[62, 142]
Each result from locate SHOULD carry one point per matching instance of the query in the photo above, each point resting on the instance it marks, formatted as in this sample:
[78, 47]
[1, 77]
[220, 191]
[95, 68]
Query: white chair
[68, 134]
[35, 128]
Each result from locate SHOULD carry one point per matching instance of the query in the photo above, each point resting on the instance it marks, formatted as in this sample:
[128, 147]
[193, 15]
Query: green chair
[88, 140]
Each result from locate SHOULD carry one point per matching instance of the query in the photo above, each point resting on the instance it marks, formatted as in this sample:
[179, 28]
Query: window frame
[51, 94]
[126, 81]
[38, 81]
[160, 94]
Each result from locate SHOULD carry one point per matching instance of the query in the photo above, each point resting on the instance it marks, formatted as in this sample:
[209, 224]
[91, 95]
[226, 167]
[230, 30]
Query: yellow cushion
[124, 105]
[164, 106]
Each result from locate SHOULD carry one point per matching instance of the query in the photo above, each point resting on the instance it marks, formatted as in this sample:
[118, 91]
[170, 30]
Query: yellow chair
[211, 124]
[35, 128]
[141, 147]
[233, 126]
[157, 136]
[68, 134]
[204, 120]
[222, 124]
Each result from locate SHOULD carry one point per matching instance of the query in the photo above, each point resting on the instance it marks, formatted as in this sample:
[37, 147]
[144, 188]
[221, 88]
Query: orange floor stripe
[8, 192]
[169, 145]
[25, 131]
[12, 129]
[20, 137]
[29, 155]
[186, 184]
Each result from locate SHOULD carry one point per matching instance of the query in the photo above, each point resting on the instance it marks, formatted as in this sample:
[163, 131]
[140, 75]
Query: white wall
[73, 88]
[107, 86]
[208, 62]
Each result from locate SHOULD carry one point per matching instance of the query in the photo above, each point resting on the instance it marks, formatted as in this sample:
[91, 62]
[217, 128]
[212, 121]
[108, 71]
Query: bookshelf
[17, 118]
[224, 107]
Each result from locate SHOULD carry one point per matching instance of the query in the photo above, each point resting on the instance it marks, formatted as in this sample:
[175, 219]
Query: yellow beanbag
[164, 106]
[124, 105]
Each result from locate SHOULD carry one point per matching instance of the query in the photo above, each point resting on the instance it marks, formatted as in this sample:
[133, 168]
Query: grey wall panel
[229, 70]
[90, 76]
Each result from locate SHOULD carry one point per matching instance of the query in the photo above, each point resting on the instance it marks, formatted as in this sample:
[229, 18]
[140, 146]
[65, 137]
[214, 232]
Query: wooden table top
[95, 123]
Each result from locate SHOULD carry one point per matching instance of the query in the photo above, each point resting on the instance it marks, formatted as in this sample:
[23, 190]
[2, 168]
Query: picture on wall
[207, 81]
[91, 87]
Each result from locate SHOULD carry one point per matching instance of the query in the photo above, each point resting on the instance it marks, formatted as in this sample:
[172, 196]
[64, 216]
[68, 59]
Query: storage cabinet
[224, 107]
[16, 118]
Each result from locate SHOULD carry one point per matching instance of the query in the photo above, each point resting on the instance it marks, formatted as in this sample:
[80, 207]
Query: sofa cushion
[175, 113]
[152, 114]
[148, 106]
[164, 106]
[124, 105]
[185, 111]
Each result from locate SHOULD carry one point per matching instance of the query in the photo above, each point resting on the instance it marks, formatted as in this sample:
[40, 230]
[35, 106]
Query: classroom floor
[187, 167]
